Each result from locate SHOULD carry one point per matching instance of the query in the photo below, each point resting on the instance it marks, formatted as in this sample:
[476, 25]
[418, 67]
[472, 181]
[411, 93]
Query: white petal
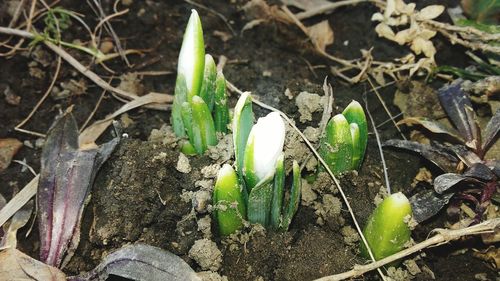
[268, 136]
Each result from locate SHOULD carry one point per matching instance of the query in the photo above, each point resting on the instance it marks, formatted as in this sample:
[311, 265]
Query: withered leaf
[14, 265]
[141, 262]
[427, 203]
[321, 34]
[8, 148]
[431, 125]
[66, 177]
[446, 181]
[18, 220]
[480, 171]
[454, 101]
[491, 131]
[465, 155]
[439, 155]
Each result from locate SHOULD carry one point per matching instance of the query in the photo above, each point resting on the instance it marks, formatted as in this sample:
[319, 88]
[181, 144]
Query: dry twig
[443, 236]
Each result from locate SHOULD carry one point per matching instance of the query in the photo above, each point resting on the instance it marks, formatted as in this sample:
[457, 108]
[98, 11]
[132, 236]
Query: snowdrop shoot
[192, 55]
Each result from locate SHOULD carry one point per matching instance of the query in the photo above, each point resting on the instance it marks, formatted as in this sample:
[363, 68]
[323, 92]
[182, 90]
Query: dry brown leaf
[321, 34]
[8, 148]
[430, 12]
[491, 255]
[14, 265]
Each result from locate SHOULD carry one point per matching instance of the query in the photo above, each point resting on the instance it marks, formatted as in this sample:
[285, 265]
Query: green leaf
[227, 197]
[207, 91]
[251, 178]
[354, 113]
[192, 56]
[203, 126]
[221, 111]
[187, 120]
[187, 148]
[489, 28]
[242, 124]
[180, 96]
[356, 146]
[293, 203]
[387, 229]
[336, 147]
[278, 193]
[259, 204]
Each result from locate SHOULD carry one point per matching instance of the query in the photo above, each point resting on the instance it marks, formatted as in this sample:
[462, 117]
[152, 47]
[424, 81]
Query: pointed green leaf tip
[387, 229]
[336, 146]
[192, 55]
[230, 208]
[354, 114]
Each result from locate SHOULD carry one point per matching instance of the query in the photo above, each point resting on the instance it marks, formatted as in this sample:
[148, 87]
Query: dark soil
[137, 194]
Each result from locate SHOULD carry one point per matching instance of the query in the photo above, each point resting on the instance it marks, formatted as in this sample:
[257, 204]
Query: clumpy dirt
[147, 192]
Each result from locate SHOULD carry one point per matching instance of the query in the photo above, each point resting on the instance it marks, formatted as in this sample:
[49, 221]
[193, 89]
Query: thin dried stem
[39, 103]
[443, 236]
[379, 145]
[386, 108]
[91, 115]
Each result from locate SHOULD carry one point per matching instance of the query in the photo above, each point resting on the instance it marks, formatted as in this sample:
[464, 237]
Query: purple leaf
[446, 181]
[427, 203]
[141, 262]
[66, 177]
[481, 172]
[454, 101]
[431, 125]
[491, 131]
[438, 154]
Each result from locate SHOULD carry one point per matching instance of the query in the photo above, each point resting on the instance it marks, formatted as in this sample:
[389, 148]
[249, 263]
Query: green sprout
[387, 229]
[344, 144]
[199, 109]
[260, 171]
[230, 210]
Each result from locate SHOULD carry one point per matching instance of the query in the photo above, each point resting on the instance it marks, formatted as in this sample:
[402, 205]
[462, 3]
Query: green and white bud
[191, 62]
[387, 229]
[264, 146]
